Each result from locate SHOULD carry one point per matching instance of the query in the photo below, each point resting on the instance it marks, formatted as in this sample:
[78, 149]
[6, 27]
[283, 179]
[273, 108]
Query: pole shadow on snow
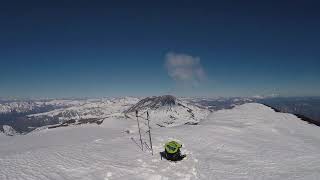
[136, 143]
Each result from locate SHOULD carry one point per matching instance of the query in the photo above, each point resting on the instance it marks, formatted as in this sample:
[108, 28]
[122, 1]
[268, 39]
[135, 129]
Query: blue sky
[105, 48]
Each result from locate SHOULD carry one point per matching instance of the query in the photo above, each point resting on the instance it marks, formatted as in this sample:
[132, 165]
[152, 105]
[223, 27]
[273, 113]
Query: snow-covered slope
[250, 141]
[168, 111]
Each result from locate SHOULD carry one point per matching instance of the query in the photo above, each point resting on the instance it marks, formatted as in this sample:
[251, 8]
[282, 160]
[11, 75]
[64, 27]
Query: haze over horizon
[142, 48]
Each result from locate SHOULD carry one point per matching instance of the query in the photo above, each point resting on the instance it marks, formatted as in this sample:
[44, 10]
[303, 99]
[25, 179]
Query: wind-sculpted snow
[250, 141]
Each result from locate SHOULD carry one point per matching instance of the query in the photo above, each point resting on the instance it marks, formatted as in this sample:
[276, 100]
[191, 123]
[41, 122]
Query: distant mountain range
[24, 116]
[305, 107]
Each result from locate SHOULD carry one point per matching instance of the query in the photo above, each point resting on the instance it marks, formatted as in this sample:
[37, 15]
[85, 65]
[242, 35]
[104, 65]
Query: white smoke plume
[184, 68]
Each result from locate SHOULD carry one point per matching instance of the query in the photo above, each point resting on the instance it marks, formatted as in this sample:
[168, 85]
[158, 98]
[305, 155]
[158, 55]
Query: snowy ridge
[17, 107]
[250, 141]
[25, 106]
[98, 108]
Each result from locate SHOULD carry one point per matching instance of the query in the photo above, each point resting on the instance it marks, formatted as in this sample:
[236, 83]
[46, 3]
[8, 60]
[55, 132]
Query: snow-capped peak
[154, 102]
[168, 110]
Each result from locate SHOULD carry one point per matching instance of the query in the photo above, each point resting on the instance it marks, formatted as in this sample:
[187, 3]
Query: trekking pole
[149, 132]
[139, 130]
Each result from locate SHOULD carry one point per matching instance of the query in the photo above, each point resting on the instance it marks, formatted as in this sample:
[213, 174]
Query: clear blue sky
[107, 48]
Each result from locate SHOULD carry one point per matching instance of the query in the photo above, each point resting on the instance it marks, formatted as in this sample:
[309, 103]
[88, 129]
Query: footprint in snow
[98, 140]
[109, 175]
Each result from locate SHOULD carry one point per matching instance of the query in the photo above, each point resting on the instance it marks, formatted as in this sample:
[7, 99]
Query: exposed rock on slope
[8, 130]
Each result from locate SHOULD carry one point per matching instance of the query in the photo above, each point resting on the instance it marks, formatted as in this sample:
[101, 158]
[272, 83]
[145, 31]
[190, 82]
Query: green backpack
[172, 147]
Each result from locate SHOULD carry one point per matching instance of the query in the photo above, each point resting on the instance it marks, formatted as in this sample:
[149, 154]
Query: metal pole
[149, 132]
[139, 130]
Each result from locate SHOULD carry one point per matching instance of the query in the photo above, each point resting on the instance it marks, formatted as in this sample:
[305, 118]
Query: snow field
[250, 141]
